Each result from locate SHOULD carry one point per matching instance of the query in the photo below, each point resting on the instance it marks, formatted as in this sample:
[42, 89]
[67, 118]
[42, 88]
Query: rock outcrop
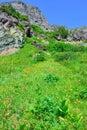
[10, 36]
[79, 34]
[33, 13]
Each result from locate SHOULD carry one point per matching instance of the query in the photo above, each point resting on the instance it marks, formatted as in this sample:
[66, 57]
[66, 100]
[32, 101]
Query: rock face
[79, 34]
[10, 34]
[10, 37]
[33, 13]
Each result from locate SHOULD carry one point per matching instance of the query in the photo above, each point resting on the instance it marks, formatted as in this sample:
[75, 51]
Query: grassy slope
[22, 84]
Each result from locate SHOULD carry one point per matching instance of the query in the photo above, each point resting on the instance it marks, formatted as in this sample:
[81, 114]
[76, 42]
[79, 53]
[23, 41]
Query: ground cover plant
[44, 90]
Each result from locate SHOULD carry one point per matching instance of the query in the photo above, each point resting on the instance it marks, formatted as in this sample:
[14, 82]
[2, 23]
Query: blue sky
[71, 13]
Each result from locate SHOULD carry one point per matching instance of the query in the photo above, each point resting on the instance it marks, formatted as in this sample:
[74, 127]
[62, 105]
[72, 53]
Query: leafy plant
[62, 109]
[37, 29]
[64, 56]
[48, 109]
[63, 47]
[83, 94]
[51, 78]
[63, 32]
[39, 57]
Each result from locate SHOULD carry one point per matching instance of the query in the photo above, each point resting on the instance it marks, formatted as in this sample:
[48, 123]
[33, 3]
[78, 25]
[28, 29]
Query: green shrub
[37, 29]
[63, 32]
[59, 47]
[79, 49]
[39, 57]
[64, 56]
[63, 47]
[51, 78]
[48, 110]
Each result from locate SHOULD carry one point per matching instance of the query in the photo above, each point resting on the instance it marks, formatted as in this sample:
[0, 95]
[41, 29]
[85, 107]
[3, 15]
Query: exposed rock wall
[79, 34]
[33, 13]
[10, 35]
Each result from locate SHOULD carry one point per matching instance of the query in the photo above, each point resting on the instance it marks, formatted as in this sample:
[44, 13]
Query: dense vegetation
[44, 90]
[11, 11]
[61, 31]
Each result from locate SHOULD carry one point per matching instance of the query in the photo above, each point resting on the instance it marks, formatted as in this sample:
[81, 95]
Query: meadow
[44, 90]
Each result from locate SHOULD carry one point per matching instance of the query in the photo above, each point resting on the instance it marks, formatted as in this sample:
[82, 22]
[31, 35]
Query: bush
[79, 49]
[51, 78]
[59, 47]
[37, 29]
[64, 56]
[39, 57]
[62, 47]
[48, 110]
[45, 113]
[63, 32]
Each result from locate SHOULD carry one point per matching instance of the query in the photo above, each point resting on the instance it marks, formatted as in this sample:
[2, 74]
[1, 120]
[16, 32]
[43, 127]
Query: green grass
[11, 11]
[43, 95]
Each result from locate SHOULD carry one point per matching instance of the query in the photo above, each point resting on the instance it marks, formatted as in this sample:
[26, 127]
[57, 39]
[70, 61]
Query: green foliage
[26, 100]
[85, 41]
[33, 40]
[21, 25]
[39, 57]
[63, 47]
[11, 11]
[64, 56]
[83, 94]
[59, 47]
[49, 110]
[37, 29]
[51, 78]
[62, 109]
[63, 32]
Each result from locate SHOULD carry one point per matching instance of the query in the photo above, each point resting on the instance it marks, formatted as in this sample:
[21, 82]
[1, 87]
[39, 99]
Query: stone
[10, 38]
[79, 34]
[33, 13]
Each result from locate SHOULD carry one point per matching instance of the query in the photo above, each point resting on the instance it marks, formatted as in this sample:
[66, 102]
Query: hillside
[43, 77]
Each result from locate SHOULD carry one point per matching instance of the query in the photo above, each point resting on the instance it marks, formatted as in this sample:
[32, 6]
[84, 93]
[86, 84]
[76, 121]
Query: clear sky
[71, 13]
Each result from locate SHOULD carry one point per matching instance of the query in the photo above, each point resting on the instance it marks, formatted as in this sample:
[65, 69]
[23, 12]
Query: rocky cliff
[14, 15]
[33, 13]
